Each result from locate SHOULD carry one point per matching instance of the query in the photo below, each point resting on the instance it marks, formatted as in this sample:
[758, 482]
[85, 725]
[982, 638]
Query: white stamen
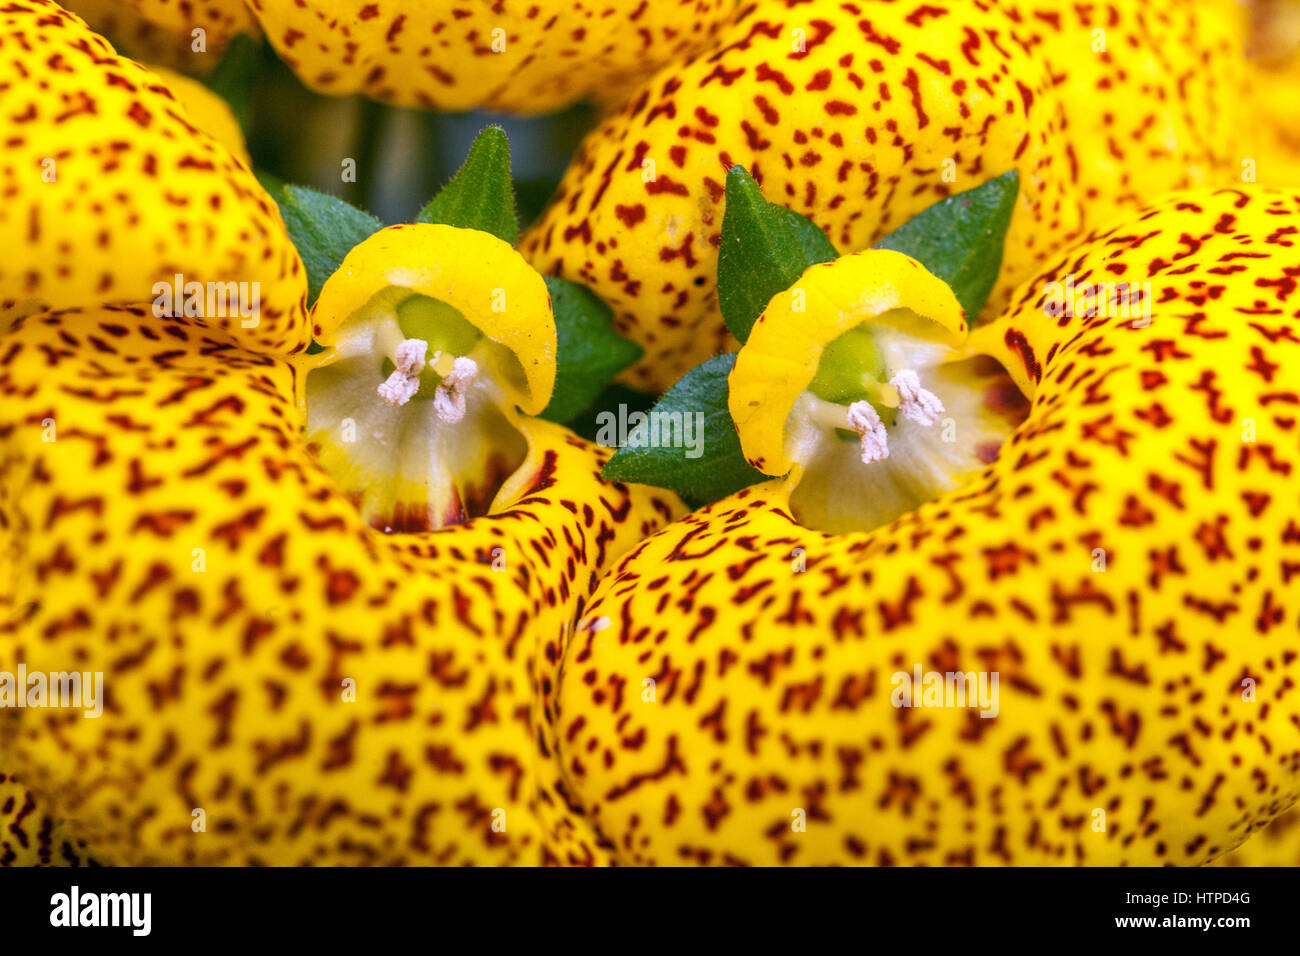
[401, 386]
[921, 406]
[399, 389]
[864, 420]
[449, 399]
[410, 356]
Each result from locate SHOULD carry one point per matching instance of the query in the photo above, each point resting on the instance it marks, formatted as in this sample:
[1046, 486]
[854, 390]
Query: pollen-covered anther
[401, 386]
[915, 402]
[449, 399]
[865, 420]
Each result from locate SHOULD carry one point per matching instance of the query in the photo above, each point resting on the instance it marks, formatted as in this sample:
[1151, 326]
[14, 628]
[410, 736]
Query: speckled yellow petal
[220, 19]
[1270, 142]
[529, 57]
[1149, 93]
[206, 110]
[30, 835]
[1127, 567]
[785, 345]
[474, 272]
[113, 189]
[163, 33]
[861, 116]
[321, 692]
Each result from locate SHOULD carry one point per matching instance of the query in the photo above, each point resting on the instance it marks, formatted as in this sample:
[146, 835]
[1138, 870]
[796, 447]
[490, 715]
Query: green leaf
[960, 238]
[765, 248]
[272, 183]
[324, 228]
[718, 467]
[588, 422]
[589, 351]
[480, 195]
[232, 78]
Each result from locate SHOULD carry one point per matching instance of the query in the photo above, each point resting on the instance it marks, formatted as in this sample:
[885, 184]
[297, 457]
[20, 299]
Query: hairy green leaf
[324, 228]
[765, 248]
[480, 195]
[589, 351]
[687, 442]
[960, 239]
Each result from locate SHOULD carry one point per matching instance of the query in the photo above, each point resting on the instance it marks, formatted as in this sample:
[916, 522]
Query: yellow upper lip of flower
[781, 356]
[476, 273]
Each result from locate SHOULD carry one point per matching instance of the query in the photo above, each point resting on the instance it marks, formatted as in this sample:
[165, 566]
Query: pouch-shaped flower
[310, 601]
[527, 57]
[283, 680]
[861, 116]
[965, 627]
[116, 189]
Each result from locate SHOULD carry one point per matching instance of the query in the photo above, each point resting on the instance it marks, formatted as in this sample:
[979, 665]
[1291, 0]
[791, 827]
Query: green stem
[372, 121]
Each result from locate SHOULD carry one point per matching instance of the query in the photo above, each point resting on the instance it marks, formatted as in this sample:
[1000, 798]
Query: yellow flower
[188, 35]
[1271, 144]
[116, 189]
[859, 118]
[529, 57]
[1115, 585]
[196, 509]
[208, 111]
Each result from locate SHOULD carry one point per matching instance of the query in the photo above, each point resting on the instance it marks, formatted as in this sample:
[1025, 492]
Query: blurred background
[402, 155]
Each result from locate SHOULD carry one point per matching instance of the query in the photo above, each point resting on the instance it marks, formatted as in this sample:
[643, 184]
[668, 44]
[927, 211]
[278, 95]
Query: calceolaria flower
[913, 646]
[206, 110]
[852, 386]
[434, 378]
[526, 57]
[315, 597]
[116, 190]
[860, 118]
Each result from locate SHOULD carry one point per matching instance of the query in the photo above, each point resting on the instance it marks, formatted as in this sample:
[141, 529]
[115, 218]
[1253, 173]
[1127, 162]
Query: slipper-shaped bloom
[283, 680]
[115, 190]
[1076, 649]
[859, 117]
[532, 57]
[317, 608]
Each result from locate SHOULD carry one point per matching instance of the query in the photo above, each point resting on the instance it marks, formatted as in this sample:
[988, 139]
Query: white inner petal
[404, 466]
[838, 492]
